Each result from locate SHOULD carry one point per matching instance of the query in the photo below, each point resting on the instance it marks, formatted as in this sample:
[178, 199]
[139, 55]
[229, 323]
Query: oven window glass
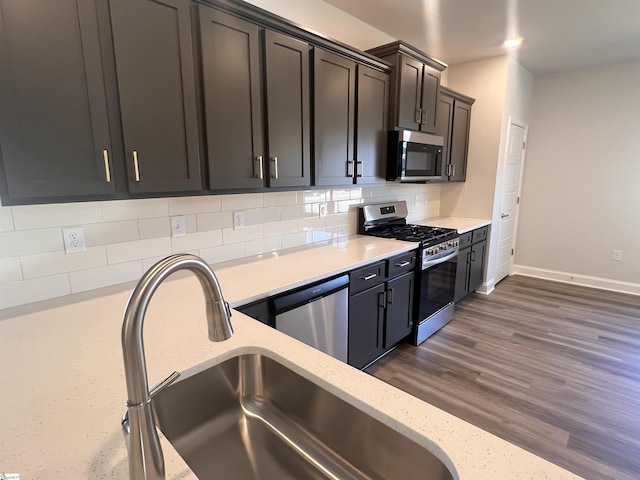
[422, 160]
[437, 288]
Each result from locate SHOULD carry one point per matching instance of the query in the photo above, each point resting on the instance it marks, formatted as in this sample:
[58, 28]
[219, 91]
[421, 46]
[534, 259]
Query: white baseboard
[577, 279]
[487, 287]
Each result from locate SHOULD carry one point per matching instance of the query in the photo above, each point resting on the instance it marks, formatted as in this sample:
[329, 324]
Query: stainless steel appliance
[414, 156]
[436, 279]
[317, 315]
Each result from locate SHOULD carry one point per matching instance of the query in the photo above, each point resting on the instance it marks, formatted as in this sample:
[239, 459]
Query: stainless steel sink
[251, 417]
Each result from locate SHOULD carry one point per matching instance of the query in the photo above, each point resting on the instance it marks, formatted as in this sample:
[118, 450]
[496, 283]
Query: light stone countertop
[63, 390]
[461, 224]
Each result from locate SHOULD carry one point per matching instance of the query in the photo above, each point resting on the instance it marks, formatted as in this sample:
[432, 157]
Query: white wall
[581, 193]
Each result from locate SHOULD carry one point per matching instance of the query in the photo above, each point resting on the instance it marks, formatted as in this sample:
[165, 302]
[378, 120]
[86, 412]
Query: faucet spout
[145, 453]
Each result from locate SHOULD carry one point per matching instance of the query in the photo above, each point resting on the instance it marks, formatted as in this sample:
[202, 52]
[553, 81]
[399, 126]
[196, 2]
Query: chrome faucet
[145, 453]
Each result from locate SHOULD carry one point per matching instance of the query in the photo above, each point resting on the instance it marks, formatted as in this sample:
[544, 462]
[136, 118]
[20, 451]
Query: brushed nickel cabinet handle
[423, 117]
[136, 167]
[403, 264]
[260, 167]
[275, 168]
[390, 296]
[353, 172]
[418, 115]
[107, 171]
[453, 170]
[369, 277]
[361, 163]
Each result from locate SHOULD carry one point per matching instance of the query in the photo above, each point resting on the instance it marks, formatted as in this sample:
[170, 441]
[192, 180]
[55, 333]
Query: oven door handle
[446, 258]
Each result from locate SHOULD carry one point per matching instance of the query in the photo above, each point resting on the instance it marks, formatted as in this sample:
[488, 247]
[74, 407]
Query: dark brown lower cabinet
[470, 269]
[380, 308]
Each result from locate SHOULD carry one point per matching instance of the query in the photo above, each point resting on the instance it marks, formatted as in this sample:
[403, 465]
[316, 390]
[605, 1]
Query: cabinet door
[366, 322]
[430, 87]
[371, 134]
[476, 265]
[232, 96]
[54, 133]
[444, 121]
[399, 309]
[462, 274]
[460, 141]
[288, 117]
[334, 112]
[410, 93]
[154, 65]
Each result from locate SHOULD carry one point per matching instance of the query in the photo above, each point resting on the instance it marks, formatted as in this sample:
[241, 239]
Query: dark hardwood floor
[550, 367]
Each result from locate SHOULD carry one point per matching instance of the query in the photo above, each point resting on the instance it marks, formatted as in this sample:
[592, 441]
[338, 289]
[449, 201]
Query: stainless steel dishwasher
[317, 315]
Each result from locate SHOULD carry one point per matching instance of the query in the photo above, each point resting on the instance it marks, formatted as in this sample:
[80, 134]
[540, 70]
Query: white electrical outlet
[617, 255]
[178, 226]
[323, 209]
[238, 220]
[74, 240]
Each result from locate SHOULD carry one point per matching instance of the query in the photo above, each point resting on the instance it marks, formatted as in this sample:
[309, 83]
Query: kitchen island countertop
[63, 388]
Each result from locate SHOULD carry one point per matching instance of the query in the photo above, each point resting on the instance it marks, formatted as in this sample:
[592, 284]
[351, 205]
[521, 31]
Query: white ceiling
[558, 34]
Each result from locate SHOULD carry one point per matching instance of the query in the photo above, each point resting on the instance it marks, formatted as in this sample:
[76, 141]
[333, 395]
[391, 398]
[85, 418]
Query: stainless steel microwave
[414, 156]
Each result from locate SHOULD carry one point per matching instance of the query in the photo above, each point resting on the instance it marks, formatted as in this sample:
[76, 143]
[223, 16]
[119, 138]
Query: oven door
[434, 301]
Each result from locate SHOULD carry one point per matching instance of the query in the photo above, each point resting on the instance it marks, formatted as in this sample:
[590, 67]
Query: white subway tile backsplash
[262, 245]
[297, 239]
[28, 217]
[137, 250]
[147, 263]
[256, 216]
[134, 209]
[193, 205]
[25, 242]
[292, 212]
[229, 235]
[28, 291]
[279, 199]
[197, 240]
[223, 253]
[93, 278]
[241, 201]
[131, 235]
[10, 270]
[111, 232]
[213, 221]
[45, 264]
[280, 228]
[6, 219]
[154, 227]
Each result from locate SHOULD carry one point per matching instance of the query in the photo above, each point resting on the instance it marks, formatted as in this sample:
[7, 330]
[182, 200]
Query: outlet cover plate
[74, 239]
[178, 226]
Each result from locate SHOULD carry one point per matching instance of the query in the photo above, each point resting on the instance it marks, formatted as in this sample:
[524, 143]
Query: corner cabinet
[414, 86]
[345, 95]
[453, 124]
[54, 130]
[470, 268]
[154, 67]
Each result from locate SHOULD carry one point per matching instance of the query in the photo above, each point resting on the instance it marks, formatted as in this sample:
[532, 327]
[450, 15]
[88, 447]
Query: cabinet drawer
[465, 239]
[366, 277]
[479, 234]
[401, 264]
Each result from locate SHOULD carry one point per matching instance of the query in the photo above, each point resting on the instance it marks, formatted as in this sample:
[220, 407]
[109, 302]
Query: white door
[510, 198]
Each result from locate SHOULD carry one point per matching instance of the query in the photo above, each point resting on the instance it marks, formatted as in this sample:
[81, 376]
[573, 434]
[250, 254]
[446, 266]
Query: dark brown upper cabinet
[415, 83]
[342, 157]
[288, 110]
[453, 124]
[233, 53]
[334, 114]
[371, 130]
[54, 132]
[155, 76]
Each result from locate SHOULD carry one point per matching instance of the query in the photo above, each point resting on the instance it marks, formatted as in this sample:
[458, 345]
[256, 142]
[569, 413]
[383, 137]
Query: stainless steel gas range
[436, 277]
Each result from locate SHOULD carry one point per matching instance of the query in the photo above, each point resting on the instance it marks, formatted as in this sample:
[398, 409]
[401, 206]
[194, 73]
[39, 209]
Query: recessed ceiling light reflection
[513, 42]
